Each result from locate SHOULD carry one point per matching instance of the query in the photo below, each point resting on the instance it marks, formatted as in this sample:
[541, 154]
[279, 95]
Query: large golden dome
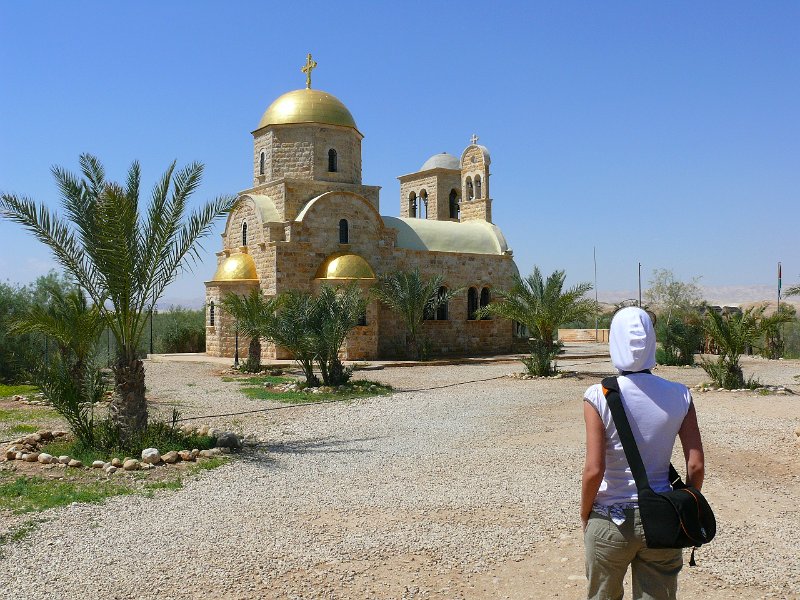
[307, 106]
[345, 266]
[237, 267]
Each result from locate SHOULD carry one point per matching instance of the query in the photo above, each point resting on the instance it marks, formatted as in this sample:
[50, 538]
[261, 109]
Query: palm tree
[254, 316]
[121, 257]
[338, 312]
[733, 334]
[541, 306]
[412, 297]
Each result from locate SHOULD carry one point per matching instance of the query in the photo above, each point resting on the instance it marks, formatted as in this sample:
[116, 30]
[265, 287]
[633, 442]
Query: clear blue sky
[666, 133]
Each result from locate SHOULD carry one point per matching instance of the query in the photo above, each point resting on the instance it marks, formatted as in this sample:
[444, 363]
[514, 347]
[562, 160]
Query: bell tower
[476, 204]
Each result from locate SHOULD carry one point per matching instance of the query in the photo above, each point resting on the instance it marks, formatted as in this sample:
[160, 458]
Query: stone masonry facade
[292, 221]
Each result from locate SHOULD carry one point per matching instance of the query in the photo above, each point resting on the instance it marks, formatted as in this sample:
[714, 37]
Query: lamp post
[236, 346]
[640, 285]
[153, 311]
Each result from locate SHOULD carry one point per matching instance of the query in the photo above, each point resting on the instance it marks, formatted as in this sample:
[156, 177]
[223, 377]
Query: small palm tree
[338, 312]
[254, 316]
[294, 329]
[733, 334]
[412, 297]
[69, 320]
[541, 306]
[121, 254]
[71, 383]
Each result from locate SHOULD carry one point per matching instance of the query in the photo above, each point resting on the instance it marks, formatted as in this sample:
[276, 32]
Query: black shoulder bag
[677, 519]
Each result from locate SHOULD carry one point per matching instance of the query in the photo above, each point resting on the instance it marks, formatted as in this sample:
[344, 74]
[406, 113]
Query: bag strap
[614, 400]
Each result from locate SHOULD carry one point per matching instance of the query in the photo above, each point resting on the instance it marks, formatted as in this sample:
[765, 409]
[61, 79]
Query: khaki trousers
[611, 548]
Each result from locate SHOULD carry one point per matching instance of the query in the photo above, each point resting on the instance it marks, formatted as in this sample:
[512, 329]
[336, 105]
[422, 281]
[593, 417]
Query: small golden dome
[307, 106]
[236, 267]
[345, 266]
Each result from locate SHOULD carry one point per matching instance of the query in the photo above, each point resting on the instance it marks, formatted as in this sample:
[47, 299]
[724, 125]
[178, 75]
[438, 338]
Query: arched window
[485, 298]
[412, 205]
[344, 232]
[362, 320]
[244, 233]
[470, 190]
[262, 159]
[423, 204]
[332, 161]
[454, 204]
[441, 310]
[211, 314]
[472, 303]
[477, 186]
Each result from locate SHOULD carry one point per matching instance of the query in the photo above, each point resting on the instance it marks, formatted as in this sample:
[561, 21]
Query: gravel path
[439, 491]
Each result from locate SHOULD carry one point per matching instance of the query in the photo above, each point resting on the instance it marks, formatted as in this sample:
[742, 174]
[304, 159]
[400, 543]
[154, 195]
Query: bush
[180, 330]
[680, 337]
[157, 434]
[790, 333]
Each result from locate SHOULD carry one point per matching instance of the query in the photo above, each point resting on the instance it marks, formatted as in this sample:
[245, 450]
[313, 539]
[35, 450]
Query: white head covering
[632, 340]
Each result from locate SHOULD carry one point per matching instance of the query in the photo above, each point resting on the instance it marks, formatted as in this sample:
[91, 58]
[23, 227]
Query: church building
[308, 220]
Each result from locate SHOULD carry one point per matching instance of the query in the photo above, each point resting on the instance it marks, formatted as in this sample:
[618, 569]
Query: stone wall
[221, 337]
[437, 183]
[301, 152]
[472, 210]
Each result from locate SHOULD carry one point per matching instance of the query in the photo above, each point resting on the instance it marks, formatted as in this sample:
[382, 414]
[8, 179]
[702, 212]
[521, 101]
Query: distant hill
[726, 295]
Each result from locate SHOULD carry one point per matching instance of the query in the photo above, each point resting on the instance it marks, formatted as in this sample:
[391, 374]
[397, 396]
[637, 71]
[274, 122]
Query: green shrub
[680, 336]
[790, 333]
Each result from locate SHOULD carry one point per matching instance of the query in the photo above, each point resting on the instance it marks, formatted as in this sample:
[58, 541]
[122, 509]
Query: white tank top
[656, 409]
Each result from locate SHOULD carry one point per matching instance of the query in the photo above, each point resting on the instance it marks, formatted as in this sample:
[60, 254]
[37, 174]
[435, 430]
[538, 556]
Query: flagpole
[779, 286]
[594, 257]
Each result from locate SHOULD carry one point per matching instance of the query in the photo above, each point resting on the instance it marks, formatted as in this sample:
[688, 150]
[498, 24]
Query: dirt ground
[752, 482]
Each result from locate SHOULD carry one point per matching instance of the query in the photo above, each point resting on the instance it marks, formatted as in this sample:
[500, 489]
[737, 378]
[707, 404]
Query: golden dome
[307, 106]
[345, 266]
[236, 267]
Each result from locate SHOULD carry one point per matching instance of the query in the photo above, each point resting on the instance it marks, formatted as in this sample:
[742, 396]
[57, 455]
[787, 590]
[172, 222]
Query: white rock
[151, 456]
[64, 459]
[98, 464]
[110, 469]
[45, 458]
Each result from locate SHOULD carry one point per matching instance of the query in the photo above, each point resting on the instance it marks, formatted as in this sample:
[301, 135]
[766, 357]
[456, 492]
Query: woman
[658, 410]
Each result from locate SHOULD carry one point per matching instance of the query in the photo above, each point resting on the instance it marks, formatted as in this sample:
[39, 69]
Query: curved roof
[307, 106]
[484, 150]
[472, 237]
[237, 267]
[311, 203]
[265, 207]
[443, 160]
[345, 266]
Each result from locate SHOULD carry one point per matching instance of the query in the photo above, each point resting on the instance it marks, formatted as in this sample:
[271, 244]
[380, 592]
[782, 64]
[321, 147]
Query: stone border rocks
[29, 449]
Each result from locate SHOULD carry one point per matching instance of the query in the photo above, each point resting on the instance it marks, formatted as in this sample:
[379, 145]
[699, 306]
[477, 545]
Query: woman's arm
[692, 449]
[595, 465]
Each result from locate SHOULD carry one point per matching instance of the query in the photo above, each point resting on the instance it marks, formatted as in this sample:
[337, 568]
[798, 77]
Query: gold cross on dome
[309, 66]
[473, 139]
